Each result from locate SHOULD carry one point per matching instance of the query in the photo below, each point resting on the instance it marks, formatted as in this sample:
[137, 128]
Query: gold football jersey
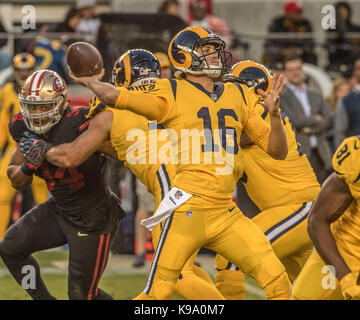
[346, 163]
[140, 144]
[271, 182]
[205, 129]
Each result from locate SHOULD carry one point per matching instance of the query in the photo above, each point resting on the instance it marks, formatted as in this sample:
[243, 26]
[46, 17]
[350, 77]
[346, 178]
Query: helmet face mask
[223, 57]
[41, 122]
[187, 54]
[42, 100]
[135, 67]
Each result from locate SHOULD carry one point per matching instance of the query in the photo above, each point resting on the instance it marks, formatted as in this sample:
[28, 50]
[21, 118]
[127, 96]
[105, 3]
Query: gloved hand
[27, 141]
[350, 286]
[34, 149]
[37, 152]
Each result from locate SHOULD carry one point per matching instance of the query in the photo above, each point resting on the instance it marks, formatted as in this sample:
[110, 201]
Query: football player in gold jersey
[136, 69]
[23, 64]
[333, 270]
[166, 71]
[199, 210]
[283, 218]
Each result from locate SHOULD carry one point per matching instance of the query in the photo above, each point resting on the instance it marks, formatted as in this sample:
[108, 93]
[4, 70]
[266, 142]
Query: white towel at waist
[172, 200]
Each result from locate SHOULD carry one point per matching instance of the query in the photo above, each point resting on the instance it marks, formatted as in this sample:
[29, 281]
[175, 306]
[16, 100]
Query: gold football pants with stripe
[286, 229]
[224, 230]
[194, 283]
[7, 193]
[317, 280]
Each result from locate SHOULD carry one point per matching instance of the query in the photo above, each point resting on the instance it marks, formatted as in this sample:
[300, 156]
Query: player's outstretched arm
[73, 154]
[147, 105]
[332, 201]
[277, 146]
[15, 171]
[106, 92]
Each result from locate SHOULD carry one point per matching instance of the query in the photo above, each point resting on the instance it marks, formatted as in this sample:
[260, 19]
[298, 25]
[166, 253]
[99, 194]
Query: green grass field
[120, 280]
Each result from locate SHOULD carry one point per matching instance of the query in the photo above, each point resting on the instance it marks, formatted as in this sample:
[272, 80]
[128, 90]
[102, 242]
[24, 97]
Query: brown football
[83, 59]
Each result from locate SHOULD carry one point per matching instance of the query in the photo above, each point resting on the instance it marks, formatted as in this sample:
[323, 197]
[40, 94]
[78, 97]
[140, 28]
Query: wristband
[26, 170]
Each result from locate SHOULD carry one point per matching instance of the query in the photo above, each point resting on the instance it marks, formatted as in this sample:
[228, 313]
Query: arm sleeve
[256, 128]
[153, 104]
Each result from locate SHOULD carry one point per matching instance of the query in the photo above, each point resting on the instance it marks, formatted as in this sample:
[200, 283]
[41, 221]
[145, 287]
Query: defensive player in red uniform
[81, 212]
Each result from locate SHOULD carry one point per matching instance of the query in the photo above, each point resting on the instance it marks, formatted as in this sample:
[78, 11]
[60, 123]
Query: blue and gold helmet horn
[253, 74]
[185, 57]
[135, 67]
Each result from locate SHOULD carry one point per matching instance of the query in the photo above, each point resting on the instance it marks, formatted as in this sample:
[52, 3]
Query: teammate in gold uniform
[283, 218]
[23, 64]
[207, 169]
[334, 228]
[136, 69]
[166, 71]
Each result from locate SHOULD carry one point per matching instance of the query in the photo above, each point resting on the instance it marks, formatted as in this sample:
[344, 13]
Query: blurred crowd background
[321, 65]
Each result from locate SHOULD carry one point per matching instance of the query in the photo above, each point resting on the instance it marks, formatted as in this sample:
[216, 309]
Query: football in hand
[84, 60]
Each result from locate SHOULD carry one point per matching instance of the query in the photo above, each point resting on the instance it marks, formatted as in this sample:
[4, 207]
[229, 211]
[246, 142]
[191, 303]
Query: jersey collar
[219, 89]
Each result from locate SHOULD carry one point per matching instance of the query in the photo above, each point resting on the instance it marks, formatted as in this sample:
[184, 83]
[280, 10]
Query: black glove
[28, 139]
[35, 156]
[37, 152]
[34, 148]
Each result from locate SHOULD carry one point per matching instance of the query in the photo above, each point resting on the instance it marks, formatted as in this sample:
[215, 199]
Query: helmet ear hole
[180, 57]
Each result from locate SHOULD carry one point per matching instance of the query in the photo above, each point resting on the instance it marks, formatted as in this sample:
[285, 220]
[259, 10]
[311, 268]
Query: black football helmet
[135, 67]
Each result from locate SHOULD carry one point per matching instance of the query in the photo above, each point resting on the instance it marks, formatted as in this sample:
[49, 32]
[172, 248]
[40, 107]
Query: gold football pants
[194, 283]
[285, 228]
[224, 230]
